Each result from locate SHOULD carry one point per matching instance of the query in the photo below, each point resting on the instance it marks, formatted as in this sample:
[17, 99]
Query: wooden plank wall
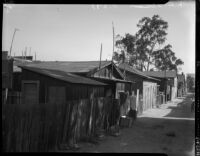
[43, 127]
[149, 95]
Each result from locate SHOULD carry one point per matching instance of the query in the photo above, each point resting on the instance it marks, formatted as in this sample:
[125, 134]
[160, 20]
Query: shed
[17, 72]
[47, 86]
[136, 76]
[104, 71]
[146, 85]
[168, 83]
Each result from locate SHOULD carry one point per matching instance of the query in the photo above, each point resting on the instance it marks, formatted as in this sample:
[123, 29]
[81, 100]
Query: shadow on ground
[182, 110]
[173, 136]
[150, 135]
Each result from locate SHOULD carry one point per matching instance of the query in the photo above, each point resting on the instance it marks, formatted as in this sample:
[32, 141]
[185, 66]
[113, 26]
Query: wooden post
[6, 95]
[137, 99]
[91, 114]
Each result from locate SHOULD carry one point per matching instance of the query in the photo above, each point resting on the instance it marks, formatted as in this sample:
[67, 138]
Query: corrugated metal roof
[161, 74]
[68, 77]
[133, 70]
[70, 66]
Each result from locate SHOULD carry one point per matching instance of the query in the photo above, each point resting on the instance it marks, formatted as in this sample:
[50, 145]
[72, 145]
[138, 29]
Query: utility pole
[113, 46]
[30, 52]
[100, 57]
[13, 40]
[25, 52]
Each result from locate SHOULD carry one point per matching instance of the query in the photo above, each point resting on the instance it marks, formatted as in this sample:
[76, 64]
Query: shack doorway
[30, 92]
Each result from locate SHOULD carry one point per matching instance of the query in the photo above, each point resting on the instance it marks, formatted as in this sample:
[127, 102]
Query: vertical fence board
[43, 127]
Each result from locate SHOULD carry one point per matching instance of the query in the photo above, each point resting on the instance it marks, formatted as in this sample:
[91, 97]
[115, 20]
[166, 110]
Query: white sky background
[75, 32]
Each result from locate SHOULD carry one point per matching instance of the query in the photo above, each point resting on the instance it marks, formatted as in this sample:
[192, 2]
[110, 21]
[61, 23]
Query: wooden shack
[104, 71]
[146, 85]
[168, 82]
[52, 86]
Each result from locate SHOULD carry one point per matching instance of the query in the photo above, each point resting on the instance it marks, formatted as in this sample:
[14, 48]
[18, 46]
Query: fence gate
[149, 95]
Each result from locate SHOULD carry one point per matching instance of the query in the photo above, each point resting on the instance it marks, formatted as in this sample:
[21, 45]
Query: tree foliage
[146, 48]
[165, 59]
[190, 83]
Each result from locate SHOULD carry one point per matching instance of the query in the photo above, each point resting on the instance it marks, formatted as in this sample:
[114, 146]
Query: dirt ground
[169, 129]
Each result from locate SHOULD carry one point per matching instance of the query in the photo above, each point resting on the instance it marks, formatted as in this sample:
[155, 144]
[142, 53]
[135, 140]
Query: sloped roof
[70, 66]
[133, 70]
[60, 75]
[161, 74]
[113, 79]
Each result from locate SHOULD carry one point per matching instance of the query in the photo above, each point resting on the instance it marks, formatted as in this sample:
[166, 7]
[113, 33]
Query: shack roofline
[113, 79]
[147, 77]
[132, 70]
[64, 76]
[161, 74]
[81, 67]
[105, 65]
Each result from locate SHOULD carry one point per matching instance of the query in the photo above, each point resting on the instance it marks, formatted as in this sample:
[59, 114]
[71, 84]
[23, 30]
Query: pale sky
[75, 32]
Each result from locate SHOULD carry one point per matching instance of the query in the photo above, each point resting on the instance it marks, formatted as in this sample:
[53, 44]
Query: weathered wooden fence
[44, 127]
[131, 102]
[13, 97]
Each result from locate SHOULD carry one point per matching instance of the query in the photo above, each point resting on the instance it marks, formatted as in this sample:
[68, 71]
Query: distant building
[181, 85]
[24, 57]
[190, 88]
[168, 83]
[146, 85]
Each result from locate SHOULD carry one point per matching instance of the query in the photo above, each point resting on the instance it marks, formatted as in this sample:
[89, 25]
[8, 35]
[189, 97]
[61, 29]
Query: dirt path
[169, 129]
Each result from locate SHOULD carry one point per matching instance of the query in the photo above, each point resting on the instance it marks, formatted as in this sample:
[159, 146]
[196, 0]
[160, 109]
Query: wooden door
[149, 95]
[30, 92]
